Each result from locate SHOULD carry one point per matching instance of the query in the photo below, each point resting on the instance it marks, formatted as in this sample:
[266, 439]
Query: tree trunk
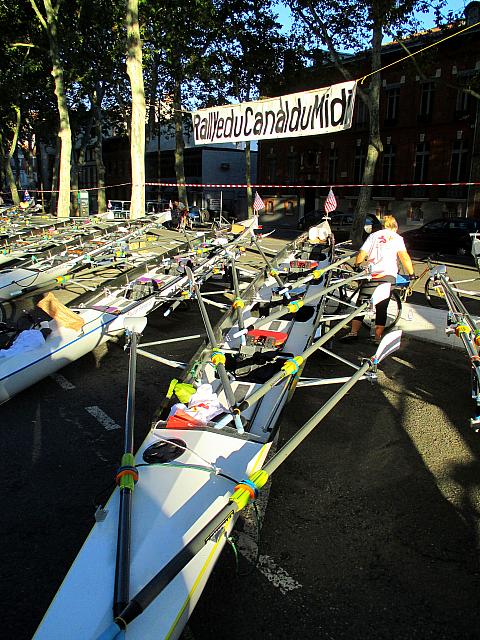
[375, 146]
[179, 143]
[43, 170]
[248, 179]
[13, 153]
[153, 99]
[77, 164]
[7, 158]
[56, 164]
[8, 171]
[64, 132]
[137, 141]
[75, 169]
[97, 113]
[65, 136]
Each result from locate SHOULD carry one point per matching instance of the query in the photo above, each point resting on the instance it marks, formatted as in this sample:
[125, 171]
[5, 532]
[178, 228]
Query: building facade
[203, 164]
[430, 133]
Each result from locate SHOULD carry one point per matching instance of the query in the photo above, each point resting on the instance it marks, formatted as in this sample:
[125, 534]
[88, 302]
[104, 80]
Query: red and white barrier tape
[212, 185]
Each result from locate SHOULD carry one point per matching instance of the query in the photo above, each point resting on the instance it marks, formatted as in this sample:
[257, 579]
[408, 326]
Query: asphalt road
[371, 528]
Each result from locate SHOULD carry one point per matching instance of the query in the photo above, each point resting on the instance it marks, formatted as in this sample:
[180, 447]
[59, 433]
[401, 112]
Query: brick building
[204, 164]
[430, 133]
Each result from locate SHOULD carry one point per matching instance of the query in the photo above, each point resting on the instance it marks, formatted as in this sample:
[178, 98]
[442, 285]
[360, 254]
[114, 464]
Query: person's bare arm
[360, 257]
[406, 262]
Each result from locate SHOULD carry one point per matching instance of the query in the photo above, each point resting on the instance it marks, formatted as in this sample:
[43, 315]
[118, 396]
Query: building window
[332, 166]
[310, 159]
[426, 102]
[421, 162]
[361, 113]
[359, 164]
[393, 99]
[271, 169]
[388, 163]
[462, 104]
[292, 168]
[458, 162]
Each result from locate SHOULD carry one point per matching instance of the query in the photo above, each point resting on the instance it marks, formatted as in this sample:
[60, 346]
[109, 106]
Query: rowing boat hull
[104, 319]
[170, 505]
[63, 346]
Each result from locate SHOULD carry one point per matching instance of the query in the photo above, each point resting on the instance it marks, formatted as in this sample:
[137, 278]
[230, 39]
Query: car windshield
[467, 225]
[435, 226]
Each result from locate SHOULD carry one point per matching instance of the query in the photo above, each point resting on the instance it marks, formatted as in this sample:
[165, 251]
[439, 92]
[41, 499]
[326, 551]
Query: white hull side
[169, 506]
[62, 346]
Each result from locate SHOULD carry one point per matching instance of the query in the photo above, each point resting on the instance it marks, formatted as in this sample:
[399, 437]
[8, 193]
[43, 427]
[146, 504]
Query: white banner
[309, 113]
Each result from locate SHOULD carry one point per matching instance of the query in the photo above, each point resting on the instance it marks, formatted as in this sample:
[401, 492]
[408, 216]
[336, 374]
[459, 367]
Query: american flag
[330, 202]
[258, 202]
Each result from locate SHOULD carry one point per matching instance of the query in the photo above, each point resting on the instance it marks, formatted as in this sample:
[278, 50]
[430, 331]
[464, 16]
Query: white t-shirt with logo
[381, 248]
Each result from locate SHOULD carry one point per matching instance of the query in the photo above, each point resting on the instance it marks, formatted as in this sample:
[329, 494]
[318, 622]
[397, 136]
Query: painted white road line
[102, 418]
[267, 566]
[62, 382]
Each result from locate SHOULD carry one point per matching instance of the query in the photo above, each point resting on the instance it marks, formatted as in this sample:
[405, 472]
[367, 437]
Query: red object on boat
[279, 336]
[182, 420]
[303, 264]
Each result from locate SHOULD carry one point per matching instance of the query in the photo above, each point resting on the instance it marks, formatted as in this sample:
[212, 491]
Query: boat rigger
[196, 471]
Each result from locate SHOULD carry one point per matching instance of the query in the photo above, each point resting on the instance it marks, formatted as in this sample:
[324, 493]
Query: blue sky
[427, 20]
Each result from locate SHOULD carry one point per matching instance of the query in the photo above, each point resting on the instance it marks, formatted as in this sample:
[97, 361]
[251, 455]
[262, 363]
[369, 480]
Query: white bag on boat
[204, 404]
[27, 340]
[319, 233]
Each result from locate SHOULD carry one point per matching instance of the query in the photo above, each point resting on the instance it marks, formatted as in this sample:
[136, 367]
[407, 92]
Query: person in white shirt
[380, 251]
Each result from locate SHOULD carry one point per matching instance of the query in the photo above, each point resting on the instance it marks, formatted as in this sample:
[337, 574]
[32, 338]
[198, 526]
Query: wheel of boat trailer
[394, 311]
[434, 295]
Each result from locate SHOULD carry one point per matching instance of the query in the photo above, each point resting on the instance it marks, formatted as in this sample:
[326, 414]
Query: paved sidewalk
[425, 323]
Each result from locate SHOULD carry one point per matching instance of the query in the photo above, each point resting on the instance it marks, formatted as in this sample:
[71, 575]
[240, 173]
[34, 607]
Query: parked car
[310, 218]
[443, 236]
[341, 223]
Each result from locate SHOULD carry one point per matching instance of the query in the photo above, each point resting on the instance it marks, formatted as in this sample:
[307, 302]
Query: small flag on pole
[330, 202]
[258, 203]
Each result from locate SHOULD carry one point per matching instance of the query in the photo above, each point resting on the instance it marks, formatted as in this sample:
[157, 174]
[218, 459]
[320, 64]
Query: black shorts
[366, 291]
